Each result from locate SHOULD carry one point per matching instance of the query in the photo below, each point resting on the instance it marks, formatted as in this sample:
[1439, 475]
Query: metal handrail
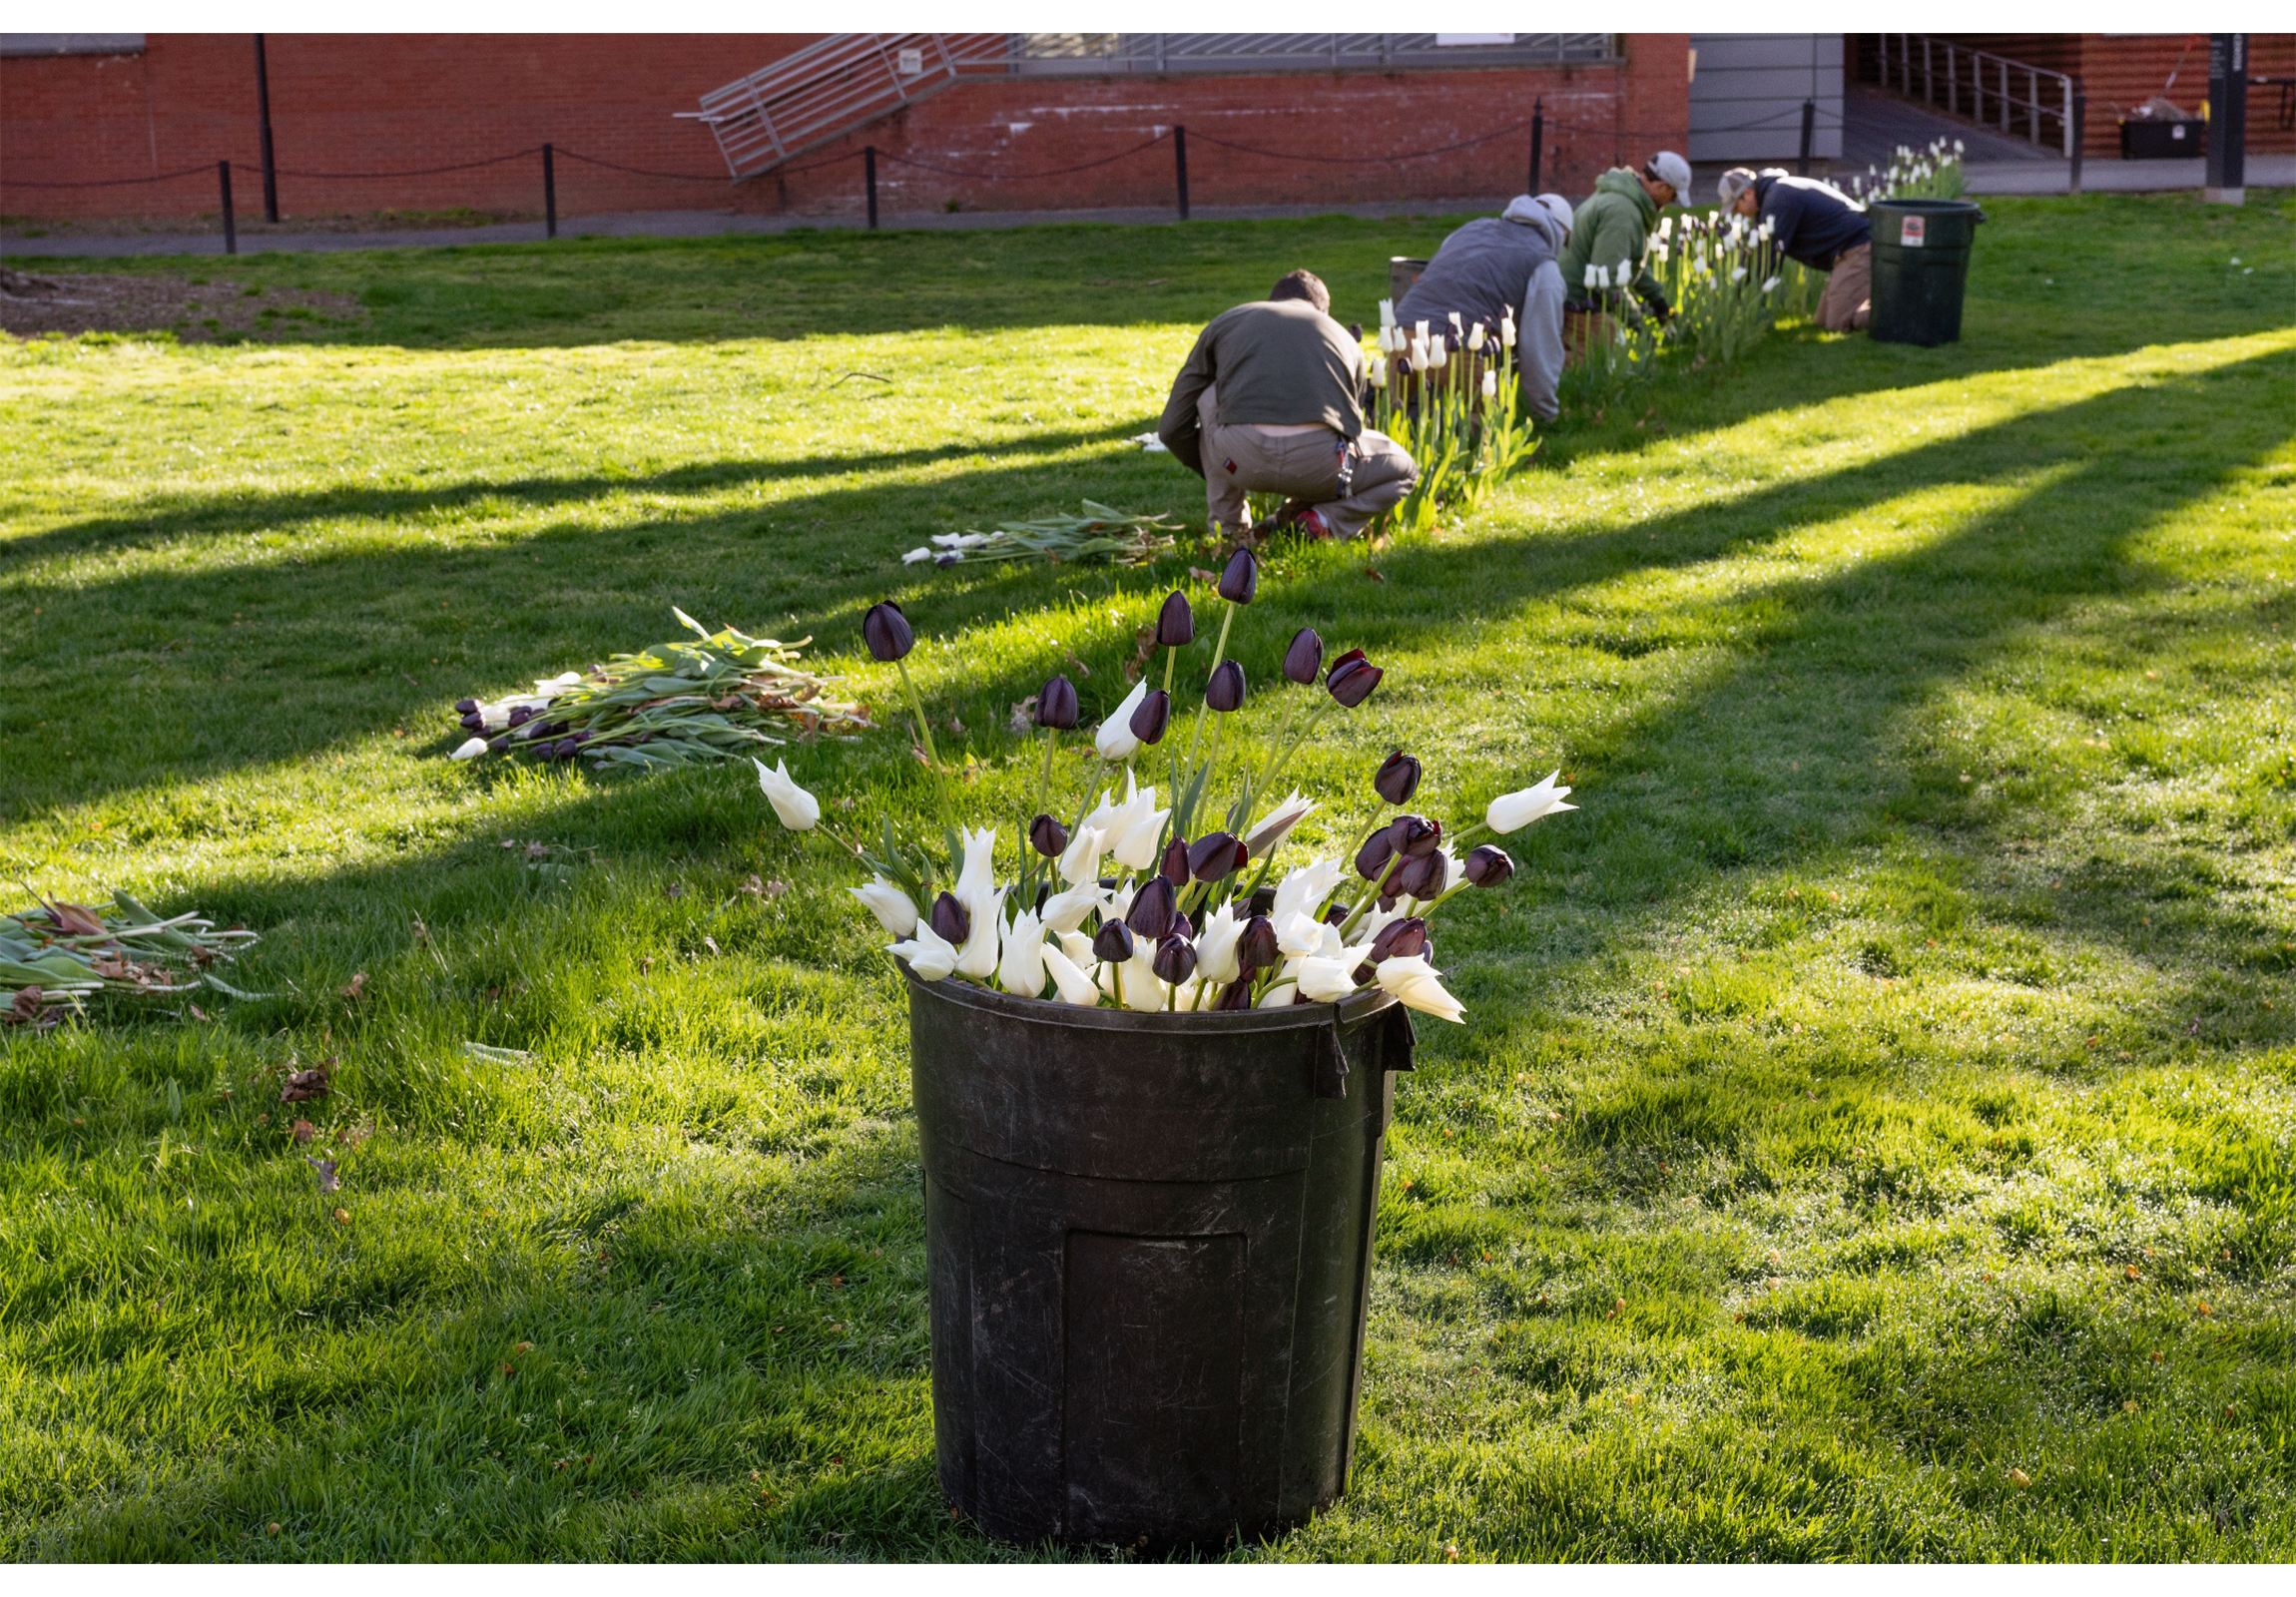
[847, 81]
[1928, 49]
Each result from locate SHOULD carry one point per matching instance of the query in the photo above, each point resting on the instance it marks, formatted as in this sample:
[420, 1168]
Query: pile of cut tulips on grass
[1177, 906]
[55, 956]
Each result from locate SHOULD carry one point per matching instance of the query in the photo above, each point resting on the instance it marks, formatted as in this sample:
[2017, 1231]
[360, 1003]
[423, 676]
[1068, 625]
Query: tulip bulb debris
[1100, 536]
[684, 703]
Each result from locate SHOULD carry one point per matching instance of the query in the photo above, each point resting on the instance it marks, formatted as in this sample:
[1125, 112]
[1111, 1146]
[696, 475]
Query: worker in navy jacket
[1813, 223]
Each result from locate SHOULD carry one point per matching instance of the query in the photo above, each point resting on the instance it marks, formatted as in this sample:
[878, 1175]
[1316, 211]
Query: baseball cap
[1671, 169]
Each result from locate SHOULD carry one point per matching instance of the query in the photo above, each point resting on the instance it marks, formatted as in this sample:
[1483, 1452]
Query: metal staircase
[839, 84]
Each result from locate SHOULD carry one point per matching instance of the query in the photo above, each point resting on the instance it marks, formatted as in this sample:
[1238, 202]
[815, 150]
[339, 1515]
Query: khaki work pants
[1304, 467]
[1846, 304]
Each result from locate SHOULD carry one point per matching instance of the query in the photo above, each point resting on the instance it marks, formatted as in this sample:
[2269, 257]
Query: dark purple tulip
[1255, 945]
[1152, 716]
[1372, 859]
[1112, 942]
[1489, 866]
[567, 748]
[949, 921]
[1220, 854]
[463, 706]
[1056, 705]
[1236, 995]
[1337, 915]
[1415, 835]
[1182, 926]
[1152, 909]
[1176, 623]
[1304, 658]
[473, 722]
[1047, 836]
[1174, 868]
[1398, 779]
[1422, 876]
[1242, 578]
[1225, 692]
[1175, 959]
[520, 716]
[1400, 940]
[1352, 680]
[886, 632]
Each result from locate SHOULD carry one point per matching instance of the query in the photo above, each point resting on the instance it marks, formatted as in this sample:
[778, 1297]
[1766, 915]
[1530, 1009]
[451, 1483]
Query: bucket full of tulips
[1153, 1046]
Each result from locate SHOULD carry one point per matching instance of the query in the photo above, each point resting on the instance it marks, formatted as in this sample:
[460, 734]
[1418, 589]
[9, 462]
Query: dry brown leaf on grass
[302, 1131]
[304, 1086]
[357, 988]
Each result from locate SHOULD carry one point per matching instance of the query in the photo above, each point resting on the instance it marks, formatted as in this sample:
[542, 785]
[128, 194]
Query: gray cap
[1558, 208]
[1671, 169]
[1732, 184]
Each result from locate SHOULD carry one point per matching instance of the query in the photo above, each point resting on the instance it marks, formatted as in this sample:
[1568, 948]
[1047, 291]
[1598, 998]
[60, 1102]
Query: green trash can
[1921, 267]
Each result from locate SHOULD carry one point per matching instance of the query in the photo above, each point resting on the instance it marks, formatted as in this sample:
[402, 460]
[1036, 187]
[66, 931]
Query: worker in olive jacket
[1813, 223]
[1271, 401]
[1603, 262]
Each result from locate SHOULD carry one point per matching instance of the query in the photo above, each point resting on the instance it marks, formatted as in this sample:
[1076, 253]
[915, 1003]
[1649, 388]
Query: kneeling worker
[1602, 267]
[1271, 401]
[1815, 224]
[1501, 266]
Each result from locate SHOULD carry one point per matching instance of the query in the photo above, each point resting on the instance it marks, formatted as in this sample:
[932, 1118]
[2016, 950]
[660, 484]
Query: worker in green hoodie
[1608, 236]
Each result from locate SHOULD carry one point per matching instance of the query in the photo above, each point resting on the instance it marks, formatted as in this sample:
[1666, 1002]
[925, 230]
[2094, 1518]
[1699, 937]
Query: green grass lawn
[1872, 1133]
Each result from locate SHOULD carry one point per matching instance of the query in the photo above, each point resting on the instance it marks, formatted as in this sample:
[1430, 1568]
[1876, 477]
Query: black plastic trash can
[1148, 1241]
[1921, 268]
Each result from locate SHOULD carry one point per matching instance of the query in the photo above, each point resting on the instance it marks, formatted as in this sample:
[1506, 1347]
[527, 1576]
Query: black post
[1537, 138]
[1180, 167]
[549, 194]
[2079, 134]
[264, 116]
[1809, 127]
[231, 225]
[2227, 173]
[869, 166]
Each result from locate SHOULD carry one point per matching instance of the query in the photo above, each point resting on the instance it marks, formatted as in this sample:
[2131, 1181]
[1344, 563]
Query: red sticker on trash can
[1910, 231]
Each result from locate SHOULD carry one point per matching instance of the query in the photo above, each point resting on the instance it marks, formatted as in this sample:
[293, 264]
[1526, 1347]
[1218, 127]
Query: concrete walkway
[701, 224]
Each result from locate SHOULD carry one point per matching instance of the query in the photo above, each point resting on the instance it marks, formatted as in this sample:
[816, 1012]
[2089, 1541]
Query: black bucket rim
[1185, 1022]
[1943, 207]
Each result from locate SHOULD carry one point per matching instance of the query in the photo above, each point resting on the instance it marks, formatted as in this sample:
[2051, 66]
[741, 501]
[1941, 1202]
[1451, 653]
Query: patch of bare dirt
[196, 313]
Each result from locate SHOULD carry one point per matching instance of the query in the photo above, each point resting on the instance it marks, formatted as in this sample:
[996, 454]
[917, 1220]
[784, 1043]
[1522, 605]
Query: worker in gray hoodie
[1498, 267]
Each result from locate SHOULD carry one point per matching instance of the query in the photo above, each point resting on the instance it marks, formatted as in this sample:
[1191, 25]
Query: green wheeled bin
[1921, 267]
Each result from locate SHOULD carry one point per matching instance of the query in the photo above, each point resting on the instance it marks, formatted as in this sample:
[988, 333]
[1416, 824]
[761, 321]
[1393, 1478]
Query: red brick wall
[365, 103]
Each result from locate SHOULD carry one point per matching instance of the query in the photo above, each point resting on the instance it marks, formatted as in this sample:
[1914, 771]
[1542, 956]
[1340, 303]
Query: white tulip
[1490, 385]
[1515, 811]
[1303, 891]
[1075, 985]
[1216, 946]
[1276, 825]
[1737, 274]
[1327, 981]
[914, 556]
[1476, 338]
[798, 809]
[978, 955]
[1419, 331]
[1770, 284]
[1136, 828]
[1141, 987]
[893, 907]
[472, 749]
[1021, 969]
[1303, 936]
[1438, 355]
[1080, 862]
[1375, 373]
[1065, 912]
[1456, 325]
[1596, 277]
[1077, 945]
[1506, 329]
[930, 957]
[1114, 740]
[1279, 995]
[977, 881]
[1414, 983]
[1387, 314]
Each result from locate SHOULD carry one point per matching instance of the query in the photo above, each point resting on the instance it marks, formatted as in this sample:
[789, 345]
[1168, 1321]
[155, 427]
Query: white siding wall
[1746, 101]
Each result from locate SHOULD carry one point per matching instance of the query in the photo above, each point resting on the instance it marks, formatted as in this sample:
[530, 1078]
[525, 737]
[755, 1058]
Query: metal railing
[1963, 81]
[847, 81]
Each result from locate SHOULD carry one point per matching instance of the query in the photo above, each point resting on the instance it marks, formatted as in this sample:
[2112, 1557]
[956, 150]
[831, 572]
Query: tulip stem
[1219, 653]
[1043, 786]
[916, 708]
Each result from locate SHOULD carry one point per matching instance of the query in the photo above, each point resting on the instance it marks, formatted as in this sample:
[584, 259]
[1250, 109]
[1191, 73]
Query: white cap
[1671, 169]
[1558, 208]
